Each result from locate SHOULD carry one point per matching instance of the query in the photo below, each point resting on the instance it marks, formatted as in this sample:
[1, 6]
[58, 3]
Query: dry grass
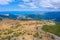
[22, 30]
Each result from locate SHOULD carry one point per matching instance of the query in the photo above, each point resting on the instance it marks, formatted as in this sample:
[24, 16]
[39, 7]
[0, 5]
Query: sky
[29, 5]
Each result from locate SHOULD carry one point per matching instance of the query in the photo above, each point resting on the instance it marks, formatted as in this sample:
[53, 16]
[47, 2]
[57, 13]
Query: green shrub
[36, 35]
[16, 34]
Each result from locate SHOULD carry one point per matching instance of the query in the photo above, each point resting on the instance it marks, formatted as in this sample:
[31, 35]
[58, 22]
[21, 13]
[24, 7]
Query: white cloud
[28, 5]
[32, 5]
[45, 4]
[22, 6]
[4, 2]
[56, 1]
[54, 4]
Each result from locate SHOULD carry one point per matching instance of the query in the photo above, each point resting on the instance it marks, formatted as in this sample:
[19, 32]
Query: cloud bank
[34, 4]
[50, 4]
[47, 4]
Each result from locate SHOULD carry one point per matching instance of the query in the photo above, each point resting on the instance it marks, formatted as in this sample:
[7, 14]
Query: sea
[55, 16]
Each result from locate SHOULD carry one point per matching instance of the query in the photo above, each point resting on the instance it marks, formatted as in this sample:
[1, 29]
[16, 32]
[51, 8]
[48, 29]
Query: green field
[53, 29]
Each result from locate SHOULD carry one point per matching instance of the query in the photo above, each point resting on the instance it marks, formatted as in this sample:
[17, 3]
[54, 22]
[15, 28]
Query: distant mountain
[31, 15]
[10, 16]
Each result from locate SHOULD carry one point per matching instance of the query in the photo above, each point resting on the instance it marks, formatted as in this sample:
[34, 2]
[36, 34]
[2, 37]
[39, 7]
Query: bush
[16, 34]
[36, 35]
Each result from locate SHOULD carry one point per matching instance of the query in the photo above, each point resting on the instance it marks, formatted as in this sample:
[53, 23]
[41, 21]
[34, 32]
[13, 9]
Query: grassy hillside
[53, 29]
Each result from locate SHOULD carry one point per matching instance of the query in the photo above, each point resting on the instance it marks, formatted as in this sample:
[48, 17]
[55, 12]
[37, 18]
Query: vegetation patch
[53, 29]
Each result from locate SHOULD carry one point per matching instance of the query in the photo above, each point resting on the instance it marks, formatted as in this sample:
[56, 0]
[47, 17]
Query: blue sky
[29, 5]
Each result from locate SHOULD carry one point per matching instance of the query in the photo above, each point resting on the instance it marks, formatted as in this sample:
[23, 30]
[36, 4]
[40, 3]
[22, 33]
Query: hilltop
[24, 30]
